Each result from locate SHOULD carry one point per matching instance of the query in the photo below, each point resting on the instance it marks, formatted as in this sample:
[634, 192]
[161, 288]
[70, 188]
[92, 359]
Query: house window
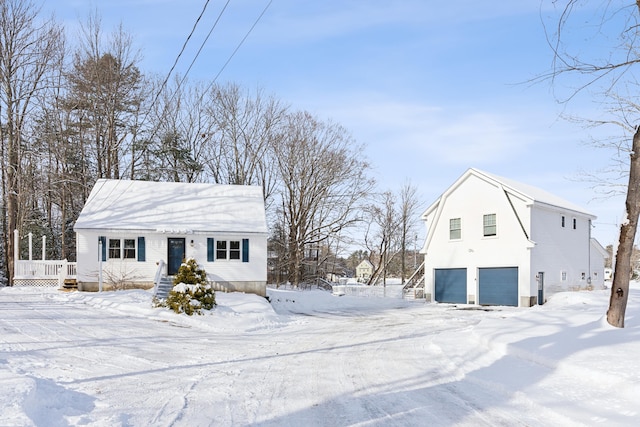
[228, 249]
[489, 225]
[234, 249]
[574, 223]
[563, 276]
[129, 248]
[114, 248]
[455, 228]
[221, 249]
[562, 221]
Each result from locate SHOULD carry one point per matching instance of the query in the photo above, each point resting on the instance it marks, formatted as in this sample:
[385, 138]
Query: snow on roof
[535, 193]
[173, 207]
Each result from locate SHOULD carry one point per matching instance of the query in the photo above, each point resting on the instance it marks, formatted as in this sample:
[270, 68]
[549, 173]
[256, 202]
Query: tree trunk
[622, 272]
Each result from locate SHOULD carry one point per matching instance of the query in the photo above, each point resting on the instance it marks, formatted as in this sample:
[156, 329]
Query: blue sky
[430, 88]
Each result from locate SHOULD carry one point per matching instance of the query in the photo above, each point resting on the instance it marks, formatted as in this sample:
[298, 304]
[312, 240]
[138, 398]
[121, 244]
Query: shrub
[190, 273]
[191, 292]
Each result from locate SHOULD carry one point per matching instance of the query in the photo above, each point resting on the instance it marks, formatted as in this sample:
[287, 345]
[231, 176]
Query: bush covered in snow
[190, 273]
[191, 293]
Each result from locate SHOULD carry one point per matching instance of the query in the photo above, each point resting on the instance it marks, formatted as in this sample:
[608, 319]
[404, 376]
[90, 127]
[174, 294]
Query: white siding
[529, 236]
[469, 201]
[598, 255]
[130, 269]
[560, 251]
[225, 270]
[156, 249]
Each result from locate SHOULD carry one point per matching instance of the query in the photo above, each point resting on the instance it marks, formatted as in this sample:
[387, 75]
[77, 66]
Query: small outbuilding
[495, 241]
[129, 232]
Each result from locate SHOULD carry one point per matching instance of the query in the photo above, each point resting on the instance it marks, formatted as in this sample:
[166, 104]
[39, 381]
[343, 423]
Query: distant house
[128, 227]
[494, 241]
[608, 274]
[364, 270]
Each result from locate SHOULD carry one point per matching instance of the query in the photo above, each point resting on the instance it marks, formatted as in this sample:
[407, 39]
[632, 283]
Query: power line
[164, 83]
[175, 63]
[243, 40]
[215, 24]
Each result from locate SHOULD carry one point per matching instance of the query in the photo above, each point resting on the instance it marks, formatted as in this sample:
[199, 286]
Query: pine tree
[190, 273]
[191, 292]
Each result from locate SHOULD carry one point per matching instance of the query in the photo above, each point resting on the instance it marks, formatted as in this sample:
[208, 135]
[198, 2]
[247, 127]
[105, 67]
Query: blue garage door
[498, 286]
[451, 285]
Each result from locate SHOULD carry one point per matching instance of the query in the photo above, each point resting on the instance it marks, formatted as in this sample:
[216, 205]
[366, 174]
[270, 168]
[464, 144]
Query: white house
[364, 270]
[493, 241]
[128, 227]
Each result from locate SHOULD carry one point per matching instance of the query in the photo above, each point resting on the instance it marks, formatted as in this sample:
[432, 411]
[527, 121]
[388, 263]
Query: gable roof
[173, 207]
[365, 263]
[527, 192]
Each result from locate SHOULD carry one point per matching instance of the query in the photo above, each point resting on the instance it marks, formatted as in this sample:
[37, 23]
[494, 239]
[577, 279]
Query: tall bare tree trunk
[27, 49]
[12, 174]
[622, 272]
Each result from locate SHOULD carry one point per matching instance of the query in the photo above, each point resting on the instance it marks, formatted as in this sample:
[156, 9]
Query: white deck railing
[45, 270]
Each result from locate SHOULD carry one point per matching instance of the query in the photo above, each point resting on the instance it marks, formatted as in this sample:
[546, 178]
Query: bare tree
[408, 216]
[608, 73]
[28, 48]
[382, 237]
[183, 132]
[247, 127]
[323, 181]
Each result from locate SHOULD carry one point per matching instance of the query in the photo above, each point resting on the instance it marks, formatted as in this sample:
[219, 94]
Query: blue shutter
[103, 239]
[141, 249]
[245, 250]
[210, 249]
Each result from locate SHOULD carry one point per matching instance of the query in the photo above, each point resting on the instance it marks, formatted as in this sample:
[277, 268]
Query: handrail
[409, 283]
[327, 284]
[158, 276]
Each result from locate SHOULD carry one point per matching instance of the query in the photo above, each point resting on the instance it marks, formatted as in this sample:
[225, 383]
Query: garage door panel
[498, 286]
[451, 285]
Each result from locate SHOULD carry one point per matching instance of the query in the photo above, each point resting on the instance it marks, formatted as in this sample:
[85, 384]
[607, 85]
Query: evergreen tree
[191, 293]
[190, 273]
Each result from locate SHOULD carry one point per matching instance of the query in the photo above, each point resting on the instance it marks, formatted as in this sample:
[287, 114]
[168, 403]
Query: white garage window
[455, 229]
[489, 225]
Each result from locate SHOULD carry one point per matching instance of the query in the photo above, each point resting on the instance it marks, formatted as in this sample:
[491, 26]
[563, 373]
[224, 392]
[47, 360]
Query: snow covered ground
[313, 359]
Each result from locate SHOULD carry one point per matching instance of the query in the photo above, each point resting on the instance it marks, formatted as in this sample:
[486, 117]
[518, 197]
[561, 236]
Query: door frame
[171, 257]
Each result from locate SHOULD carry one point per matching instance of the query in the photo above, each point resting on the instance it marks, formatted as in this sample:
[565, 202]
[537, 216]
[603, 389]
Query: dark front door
[175, 255]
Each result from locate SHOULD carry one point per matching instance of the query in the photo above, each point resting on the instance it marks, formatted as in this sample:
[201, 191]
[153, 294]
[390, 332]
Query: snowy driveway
[74, 359]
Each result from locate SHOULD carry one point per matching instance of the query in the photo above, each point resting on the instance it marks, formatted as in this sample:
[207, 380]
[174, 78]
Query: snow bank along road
[74, 359]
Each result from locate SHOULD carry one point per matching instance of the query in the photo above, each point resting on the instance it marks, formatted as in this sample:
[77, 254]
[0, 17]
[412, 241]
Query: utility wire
[164, 83]
[215, 24]
[243, 40]
[175, 63]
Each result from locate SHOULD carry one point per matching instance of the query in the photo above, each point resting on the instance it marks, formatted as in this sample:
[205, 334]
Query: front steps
[162, 288]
